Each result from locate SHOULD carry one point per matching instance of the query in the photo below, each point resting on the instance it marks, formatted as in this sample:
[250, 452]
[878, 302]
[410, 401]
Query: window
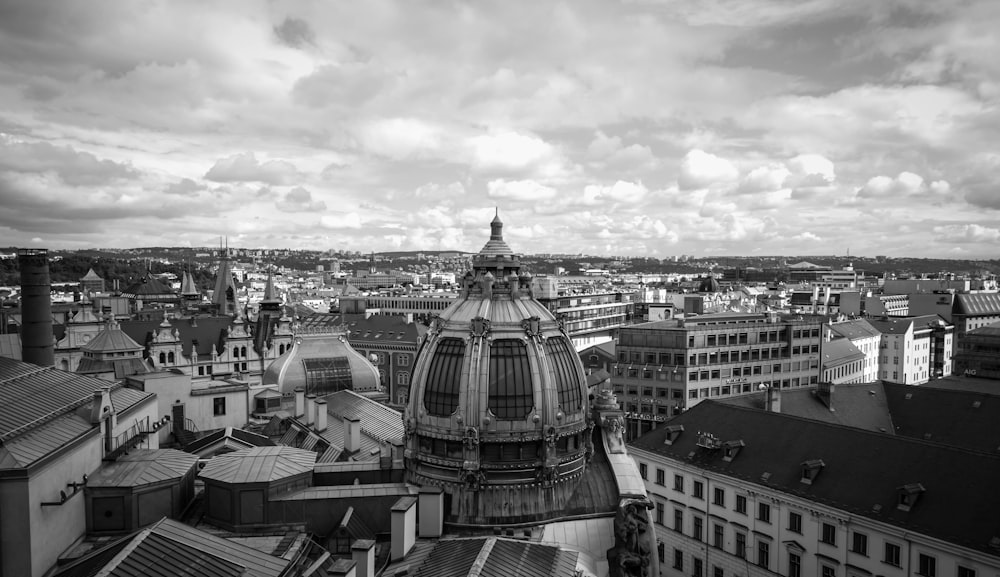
[643, 469]
[719, 497]
[718, 535]
[764, 512]
[926, 565]
[794, 522]
[794, 565]
[402, 360]
[698, 567]
[678, 559]
[741, 504]
[661, 551]
[678, 520]
[659, 513]
[510, 382]
[219, 406]
[965, 572]
[699, 490]
[829, 535]
[698, 526]
[741, 545]
[717, 571]
[679, 483]
[660, 477]
[763, 553]
[891, 554]
[828, 571]
[859, 544]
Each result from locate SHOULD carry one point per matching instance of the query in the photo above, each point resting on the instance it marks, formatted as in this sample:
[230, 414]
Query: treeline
[72, 268]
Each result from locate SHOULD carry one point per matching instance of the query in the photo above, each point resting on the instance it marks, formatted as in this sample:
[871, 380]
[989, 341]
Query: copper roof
[259, 465]
[144, 467]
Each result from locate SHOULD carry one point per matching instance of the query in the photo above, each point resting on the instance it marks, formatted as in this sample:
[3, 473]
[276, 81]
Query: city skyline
[635, 128]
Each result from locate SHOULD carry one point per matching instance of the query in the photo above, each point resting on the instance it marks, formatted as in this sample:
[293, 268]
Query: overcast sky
[641, 127]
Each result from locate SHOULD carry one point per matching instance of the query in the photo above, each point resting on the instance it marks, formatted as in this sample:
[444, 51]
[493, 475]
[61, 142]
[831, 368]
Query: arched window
[163, 358]
[236, 351]
[243, 352]
[402, 378]
[170, 357]
[510, 385]
[281, 349]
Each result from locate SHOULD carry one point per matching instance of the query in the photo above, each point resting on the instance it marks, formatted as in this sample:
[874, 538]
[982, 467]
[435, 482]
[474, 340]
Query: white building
[864, 337]
[914, 350]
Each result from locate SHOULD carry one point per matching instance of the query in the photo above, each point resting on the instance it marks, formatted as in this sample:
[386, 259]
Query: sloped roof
[860, 405]
[220, 438]
[377, 420]
[91, 275]
[10, 346]
[840, 352]
[30, 393]
[257, 563]
[977, 303]
[855, 329]
[899, 325]
[84, 315]
[960, 418]
[206, 330]
[148, 286]
[111, 340]
[143, 467]
[496, 557]
[259, 465]
[988, 330]
[862, 469]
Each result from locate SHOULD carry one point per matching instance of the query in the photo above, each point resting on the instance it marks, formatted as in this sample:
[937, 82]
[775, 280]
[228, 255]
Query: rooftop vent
[907, 495]
[673, 432]
[810, 470]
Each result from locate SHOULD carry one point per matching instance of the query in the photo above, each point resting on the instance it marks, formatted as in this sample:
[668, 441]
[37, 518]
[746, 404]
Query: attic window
[673, 432]
[810, 470]
[730, 449]
[908, 495]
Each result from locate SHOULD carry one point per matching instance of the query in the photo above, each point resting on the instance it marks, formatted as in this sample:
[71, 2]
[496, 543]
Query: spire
[224, 296]
[496, 245]
[271, 301]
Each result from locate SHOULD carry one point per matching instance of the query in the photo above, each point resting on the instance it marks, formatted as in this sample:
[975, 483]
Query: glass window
[892, 554]
[443, 377]
[926, 565]
[718, 535]
[510, 390]
[678, 520]
[698, 568]
[859, 544]
[698, 528]
[659, 513]
[794, 522]
[563, 357]
[679, 483]
[678, 559]
[643, 469]
[763, 553]
[219, 406]
[741, 504]
[699, 490]
[965, 572]
[719, 497]
[794, 565]
[828, 571]
[764, 512]
[741, 545]
[829, 535]
[660, 476]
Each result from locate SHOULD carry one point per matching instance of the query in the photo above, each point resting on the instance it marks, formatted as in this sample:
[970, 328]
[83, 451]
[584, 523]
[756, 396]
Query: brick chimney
[37, 340]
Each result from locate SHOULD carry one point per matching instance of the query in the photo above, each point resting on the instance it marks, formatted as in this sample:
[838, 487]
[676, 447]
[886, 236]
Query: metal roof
[144, 467]
[257, 563]
[259, 465]
[977, 303]
[377, 420]
[497, 557]
[151, 554]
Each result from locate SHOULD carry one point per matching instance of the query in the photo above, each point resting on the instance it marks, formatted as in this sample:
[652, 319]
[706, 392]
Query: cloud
[768, 178]
[349, 220]
[906, 184]
[966, 233]
[620, 193]
[519, 191]
[299, 199]
[184, 187]
[73, 167]
[400, 138]
[295, 33]
[700, 169]
[508, 152]
[245, 167]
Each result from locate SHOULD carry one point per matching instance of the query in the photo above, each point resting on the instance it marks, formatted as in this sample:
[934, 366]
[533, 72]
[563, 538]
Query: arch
[170, 357]
[444, 377]
[236, 352]
[510, 387]
[243, 352]
[281, 349]
[163, 358]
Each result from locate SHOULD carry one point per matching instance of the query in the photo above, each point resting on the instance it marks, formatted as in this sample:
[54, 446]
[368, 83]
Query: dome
[321, 363]
[497, 415]
[708, 285]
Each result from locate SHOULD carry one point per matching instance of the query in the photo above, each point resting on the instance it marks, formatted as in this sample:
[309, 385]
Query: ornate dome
[498, 411]
[709, 284]
[321, 363]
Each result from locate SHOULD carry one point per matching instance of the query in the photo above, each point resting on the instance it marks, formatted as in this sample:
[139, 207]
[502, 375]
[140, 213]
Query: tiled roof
[10, 346]
[258, 465]
[148, 286]
[143, 467]
[91, 275]
[862, 406]
[977, 303]
[960, 418]
[862, 474]
[111, 339]
[220, 437]
[377, 420]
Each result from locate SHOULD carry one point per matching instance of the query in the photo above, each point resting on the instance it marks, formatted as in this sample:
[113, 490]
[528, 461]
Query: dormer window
[730, 449]
[907, 495]
[810, 470]
[673, 433]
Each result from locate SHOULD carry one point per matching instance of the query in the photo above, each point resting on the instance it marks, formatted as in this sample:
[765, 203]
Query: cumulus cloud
[349, 220]
[508, 152]
[185, 187]
[905, 184]
[295, 33]
[299, 199]
[244, 167]
[810, 174]
[400, 138]
[966, 233]
[621, 192]
[768, 178]
[72, 166]
[519, 190]
[700, 169]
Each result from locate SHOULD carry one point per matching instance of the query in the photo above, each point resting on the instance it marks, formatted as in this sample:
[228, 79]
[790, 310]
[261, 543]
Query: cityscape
[590, 289]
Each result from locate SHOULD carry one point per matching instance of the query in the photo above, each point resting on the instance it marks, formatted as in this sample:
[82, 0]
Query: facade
[864, 337]
[743, 492]
[974, 310]
[668, 366]
[842, 362]
[978, 354]
[591, 318]
[914, 350]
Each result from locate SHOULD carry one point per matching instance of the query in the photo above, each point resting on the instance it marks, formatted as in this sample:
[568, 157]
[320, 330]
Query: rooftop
[258, 465]
[143, 467]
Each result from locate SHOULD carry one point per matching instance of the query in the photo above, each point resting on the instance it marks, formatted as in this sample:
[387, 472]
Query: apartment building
[865, 338]
[665, 367]
[914, 350]
[743, 492]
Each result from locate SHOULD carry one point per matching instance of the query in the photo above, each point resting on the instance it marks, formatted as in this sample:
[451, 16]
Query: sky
[633, 127]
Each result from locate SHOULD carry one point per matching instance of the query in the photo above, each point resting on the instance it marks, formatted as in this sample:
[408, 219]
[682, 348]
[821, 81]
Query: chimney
[310, 411]
[321, 416]
[404, 527]
[342, 568]
[37, 340]
[773, 396]
[363, 554]
[300, 402]
[352, 434]
[430, 507]
[409, 318]
[825, 393]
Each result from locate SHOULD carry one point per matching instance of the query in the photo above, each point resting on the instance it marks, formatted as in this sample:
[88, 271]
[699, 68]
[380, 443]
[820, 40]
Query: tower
[498, 410]
[224, 297]
[37, 341]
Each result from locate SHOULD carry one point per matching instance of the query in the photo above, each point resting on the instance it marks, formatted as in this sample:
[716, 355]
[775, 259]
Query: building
[740, 491]
[591, 318]
[842, 362]
[668, 366]
[864, 337]
[914, 350]
[978, 354]
[56, 429]
[91, 283]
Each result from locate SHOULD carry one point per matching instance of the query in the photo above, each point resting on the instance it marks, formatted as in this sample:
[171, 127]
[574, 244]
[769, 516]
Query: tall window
[699, 490]
[659, 513]
[219, 406]
[679, 483]
[892, 554]
[965, 572]
[698, 528]
[719, 497]
[698, 568]
[718, 535]
[794, 565]
[443, 377]
[859, 544]
[510, 390]
[741, 545]
[764, 512]
[660, 477]
[763, 553]
[795, 522]
[678, 520]
[829, 535]
[741, 504]
[564, 358]
[678, 559]
[661, 551]
[926, 565]
[643, 470]
[827, 571]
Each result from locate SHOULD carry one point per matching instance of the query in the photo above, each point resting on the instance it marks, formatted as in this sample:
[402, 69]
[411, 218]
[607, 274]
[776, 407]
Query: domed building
[498, 412]
[322, 362]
